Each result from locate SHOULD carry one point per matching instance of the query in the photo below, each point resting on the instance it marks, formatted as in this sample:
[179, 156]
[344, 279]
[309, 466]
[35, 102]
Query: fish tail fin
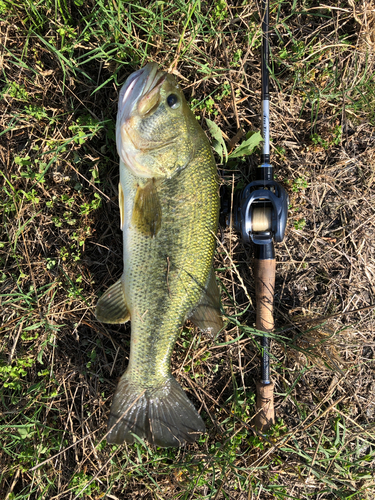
[163, 415]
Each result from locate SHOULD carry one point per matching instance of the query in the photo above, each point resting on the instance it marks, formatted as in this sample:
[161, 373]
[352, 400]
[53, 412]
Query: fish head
[155, 127]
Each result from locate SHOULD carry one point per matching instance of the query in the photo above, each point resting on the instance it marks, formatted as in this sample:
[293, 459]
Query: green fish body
[169, 205]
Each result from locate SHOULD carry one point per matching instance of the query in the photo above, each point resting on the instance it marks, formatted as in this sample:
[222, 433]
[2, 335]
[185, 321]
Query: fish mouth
[144, 82]
[139, 96]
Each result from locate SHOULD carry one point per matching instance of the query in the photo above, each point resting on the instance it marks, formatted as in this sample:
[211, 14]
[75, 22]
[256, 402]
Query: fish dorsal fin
[146, 216]
[206, 315]
[111, 307]
[121, 205]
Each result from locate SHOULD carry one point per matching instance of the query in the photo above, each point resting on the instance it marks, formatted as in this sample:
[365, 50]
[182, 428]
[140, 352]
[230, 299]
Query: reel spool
[261, 219]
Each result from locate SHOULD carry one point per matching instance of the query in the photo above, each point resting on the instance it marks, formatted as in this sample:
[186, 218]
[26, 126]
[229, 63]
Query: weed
[84, 127]
[11, 376]
[82, 485]
[299, 184]
[333, 140]
[252, 140]
[299, 224]
[17, 91]
[38, 113]
[207, 106]
[219, 10]
[86, 208]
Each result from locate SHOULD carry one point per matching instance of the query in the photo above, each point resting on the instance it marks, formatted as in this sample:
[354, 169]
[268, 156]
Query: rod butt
[265, 416]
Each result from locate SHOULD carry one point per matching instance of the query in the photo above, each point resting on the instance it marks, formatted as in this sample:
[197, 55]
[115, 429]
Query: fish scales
[180, 259]
[169, 221]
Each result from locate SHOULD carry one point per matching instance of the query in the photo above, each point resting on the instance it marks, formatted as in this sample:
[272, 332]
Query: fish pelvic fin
[206, 315]
[111, 307]
[164, 416]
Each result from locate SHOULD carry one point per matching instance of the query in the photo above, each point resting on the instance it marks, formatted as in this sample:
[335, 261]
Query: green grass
[60, 248]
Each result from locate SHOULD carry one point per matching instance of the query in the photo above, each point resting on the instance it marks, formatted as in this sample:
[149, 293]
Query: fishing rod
[260, 215]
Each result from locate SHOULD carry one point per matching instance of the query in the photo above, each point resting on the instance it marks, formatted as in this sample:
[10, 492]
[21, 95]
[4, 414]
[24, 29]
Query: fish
[169, 210]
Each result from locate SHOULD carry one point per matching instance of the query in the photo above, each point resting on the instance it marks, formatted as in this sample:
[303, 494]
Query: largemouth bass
[169, 205]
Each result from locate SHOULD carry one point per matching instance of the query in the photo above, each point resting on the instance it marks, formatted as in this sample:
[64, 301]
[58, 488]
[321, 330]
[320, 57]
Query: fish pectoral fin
[111, 307]
[146, 216]
[206, 315]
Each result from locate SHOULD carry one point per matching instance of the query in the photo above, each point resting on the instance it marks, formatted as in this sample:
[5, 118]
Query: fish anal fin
[206, 315]
[111, 307]
[146, 216]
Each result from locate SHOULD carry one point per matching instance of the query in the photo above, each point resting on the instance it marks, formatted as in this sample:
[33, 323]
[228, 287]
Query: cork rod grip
[264, 289]
[264, 292]
[265, 416]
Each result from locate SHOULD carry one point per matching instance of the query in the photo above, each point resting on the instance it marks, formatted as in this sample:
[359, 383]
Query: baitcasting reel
[260, 212]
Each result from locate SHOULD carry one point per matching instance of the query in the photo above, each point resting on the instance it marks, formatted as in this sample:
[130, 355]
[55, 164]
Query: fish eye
[173, 101]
